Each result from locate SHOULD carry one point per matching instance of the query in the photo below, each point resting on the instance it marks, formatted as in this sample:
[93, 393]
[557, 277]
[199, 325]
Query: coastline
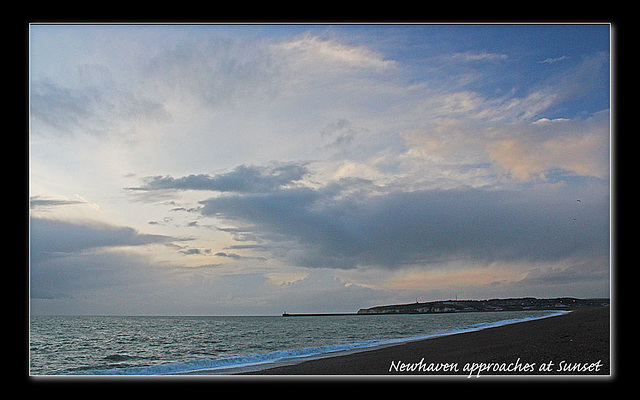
[576, 343]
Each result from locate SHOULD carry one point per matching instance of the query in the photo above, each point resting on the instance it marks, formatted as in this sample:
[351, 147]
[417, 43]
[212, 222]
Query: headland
[509, 304]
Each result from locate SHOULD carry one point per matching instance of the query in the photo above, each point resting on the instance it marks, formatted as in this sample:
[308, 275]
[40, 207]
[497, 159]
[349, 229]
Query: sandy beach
[577, 343]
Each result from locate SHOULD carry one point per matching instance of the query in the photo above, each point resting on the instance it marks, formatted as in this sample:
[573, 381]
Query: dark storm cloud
[326, 228]
[77, 273]
[352, 222]
[50, 237]
[66, 257]
[243, 179]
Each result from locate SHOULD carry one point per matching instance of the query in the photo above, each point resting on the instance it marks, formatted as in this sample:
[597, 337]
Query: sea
[174, 345]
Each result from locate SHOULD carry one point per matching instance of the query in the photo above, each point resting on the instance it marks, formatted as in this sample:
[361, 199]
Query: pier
[285, 314]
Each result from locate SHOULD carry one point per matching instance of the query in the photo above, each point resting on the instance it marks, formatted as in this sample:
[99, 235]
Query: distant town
[512, 304]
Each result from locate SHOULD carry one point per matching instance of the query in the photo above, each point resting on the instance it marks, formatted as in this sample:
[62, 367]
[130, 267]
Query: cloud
[237, 257]
[553, 60]
[68, 259]
[50, 237]
[243, 179]
[37, 202]
[530, 151]
[328, 228]
[570, 85]
[340, 133]
[313, 51]
[233, 256]
[472, 56]
[90, 109]
[58, 107]
[577, 272]
[213, 72]
[80, 273]
[322, 290]
[420, 156]
[194, 251]
[478, 153]
[153, 89]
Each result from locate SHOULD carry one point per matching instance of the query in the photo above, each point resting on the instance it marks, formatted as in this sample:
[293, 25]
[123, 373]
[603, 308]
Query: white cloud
[313, 52]
[553, 60]
[471, 56]
[550, 121]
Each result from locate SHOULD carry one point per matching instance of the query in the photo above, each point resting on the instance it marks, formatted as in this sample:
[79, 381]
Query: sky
[254, 169]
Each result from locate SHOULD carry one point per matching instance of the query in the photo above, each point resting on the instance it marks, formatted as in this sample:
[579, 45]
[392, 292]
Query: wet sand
[577, 343]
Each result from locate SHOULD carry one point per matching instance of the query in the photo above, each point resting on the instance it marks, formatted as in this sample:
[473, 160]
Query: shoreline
[576, 343]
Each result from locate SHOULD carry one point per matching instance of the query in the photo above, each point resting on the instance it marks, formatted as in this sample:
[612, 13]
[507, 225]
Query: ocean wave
[228, 362]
